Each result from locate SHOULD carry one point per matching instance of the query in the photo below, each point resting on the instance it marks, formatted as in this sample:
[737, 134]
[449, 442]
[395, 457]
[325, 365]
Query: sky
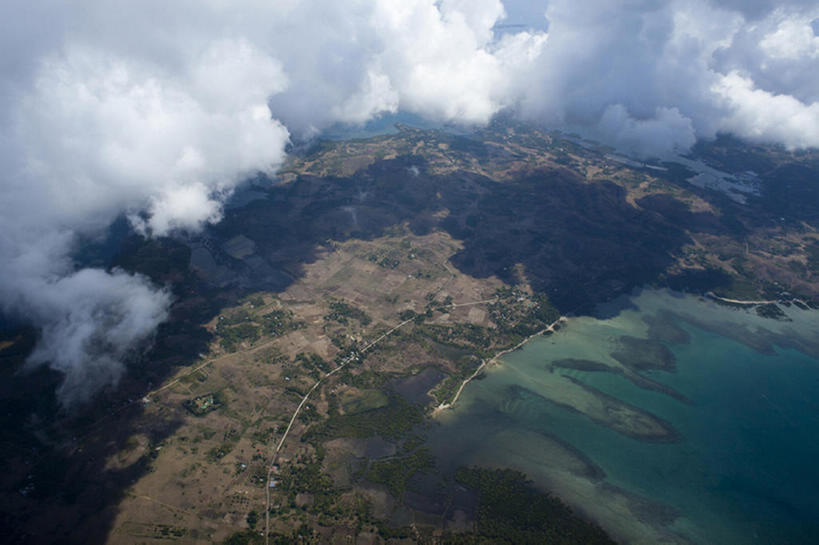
[157, 110]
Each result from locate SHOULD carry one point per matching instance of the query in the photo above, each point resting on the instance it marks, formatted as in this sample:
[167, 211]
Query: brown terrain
[471, 244]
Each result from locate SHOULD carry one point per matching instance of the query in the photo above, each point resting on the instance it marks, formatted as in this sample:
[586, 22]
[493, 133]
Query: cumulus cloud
[95, 133]
[653, 136]
[159, 109]
[651, 75]
[90, 320]
[760, 114]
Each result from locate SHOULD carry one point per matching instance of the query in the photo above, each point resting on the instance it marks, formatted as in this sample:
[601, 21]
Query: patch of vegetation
[160, 259]
[255, 300]
[412, 442]
[698, 280]
[444, 392]
[395, 472]
[389, 532]
[236, 317]
[238, 326]
[452, 353]
[740, 289]
[391, 422]
[363, 380]
[229, 440]
[251, 537]
[407, 314]
[389, 262]
[342, 312]
[263, 436]
[232, 336]
[205, 403]
[279, 322]
[464, 367]
[772, 311]
[518, 316]
[312, 362]
[385, 262]
[309, 414]
[458, 335]
[205, 433]
[307, 477]
[365, 401]
[252, 519]
[511, 511]
[170, 532]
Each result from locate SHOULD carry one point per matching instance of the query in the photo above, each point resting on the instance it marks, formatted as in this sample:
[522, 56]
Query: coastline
[617, 515]
[786, 301]
[443, 406]
[644, 496]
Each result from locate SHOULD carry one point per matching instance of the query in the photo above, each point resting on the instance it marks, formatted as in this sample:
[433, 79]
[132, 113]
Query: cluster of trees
[342, 312]
[511, 511]
[391, 422]
[396, 471]
[240, 326]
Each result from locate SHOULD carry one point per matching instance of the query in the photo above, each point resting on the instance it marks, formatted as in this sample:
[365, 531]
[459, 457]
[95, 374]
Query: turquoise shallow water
[745, 467]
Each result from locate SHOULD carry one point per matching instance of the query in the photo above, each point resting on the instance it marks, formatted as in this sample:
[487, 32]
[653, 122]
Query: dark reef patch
[642, 354]
[636, 378]
[664, 328]
[620, 416]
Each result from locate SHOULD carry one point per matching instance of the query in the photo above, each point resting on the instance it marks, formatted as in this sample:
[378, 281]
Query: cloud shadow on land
[581, 243]
[58, 487]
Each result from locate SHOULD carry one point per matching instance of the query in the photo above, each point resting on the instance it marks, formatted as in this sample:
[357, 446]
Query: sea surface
[742, 401]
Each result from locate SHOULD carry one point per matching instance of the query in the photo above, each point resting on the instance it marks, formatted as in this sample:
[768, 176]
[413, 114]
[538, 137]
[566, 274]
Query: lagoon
[735, 400]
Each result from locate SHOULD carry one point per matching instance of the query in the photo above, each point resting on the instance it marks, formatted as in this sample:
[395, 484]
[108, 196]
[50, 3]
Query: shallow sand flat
[742, 469]
[556, 468]
[569, 393]
[799, 331]
[517, 390]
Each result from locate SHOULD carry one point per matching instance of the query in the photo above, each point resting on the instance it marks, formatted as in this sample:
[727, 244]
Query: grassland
[479, 241]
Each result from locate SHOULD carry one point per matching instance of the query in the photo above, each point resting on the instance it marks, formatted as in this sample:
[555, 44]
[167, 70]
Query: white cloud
[158, 109]
[374, 98]
[667, 130]
[759, 114]
[100, 134]
[793, 39]
[659, 68]
[97, 134]
[90, 321]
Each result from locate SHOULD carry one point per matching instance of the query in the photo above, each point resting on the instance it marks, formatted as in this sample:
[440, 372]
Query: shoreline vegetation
[354, 355]
[625, 351]
[493, 360]
[786, 301]
[351, 237]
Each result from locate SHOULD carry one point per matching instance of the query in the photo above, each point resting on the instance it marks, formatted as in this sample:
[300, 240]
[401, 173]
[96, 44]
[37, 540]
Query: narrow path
[167, 506]
[327, 375]
[492, 300]
[493, 359]
[713, 295]
[196, 369]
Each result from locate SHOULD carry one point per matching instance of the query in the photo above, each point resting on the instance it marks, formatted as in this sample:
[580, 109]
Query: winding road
[344, 363]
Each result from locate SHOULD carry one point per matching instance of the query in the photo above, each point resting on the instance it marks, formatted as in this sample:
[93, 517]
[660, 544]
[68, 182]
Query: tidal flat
[666, 419]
